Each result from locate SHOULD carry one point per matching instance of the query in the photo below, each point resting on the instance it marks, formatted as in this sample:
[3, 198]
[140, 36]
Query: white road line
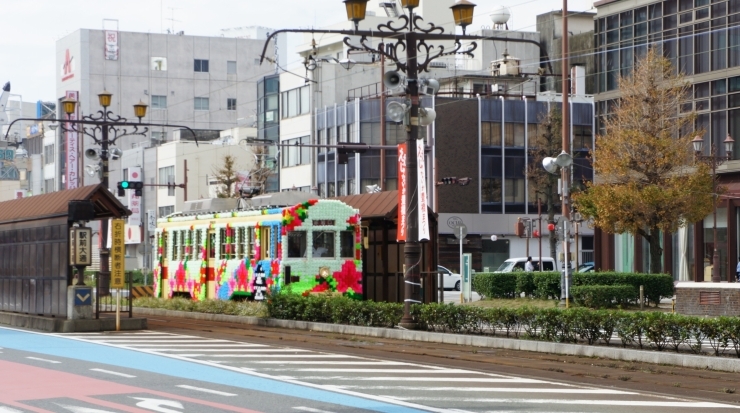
[115, 373]
[445, 379]
[492, 389]
[323, 356]
[146, 345]
[311, 410]
[353, 363]
[640, 403]
[40, 359]
[4, 409]
[241, 350]
[220, 393]
[406, 371]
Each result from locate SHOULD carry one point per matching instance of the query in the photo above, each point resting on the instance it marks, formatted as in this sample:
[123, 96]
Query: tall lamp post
[111, 128]
[714, 160]
[106, 123]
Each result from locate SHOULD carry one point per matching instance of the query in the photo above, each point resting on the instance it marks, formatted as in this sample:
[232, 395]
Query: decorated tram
[314, 246]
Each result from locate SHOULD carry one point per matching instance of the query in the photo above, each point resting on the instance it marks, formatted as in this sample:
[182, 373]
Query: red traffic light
[551, 227]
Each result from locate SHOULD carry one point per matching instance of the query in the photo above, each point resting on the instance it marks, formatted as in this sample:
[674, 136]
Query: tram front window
[297, 244]
[323, 244]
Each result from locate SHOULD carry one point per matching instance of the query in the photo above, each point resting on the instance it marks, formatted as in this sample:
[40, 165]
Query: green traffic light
[124, 184]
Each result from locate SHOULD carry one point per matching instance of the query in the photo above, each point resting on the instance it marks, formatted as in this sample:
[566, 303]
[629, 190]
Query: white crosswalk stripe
[448, 389]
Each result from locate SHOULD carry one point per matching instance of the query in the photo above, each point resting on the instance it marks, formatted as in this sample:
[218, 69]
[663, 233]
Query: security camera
[429, 87]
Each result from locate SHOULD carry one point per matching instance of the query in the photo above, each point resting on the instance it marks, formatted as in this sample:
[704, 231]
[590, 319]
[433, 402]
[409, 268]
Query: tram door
[164, 284]
[211, 268]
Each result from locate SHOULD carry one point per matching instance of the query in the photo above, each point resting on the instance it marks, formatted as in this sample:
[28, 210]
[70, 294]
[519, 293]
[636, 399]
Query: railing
[587, 256]
[364, 92]
[106, 299]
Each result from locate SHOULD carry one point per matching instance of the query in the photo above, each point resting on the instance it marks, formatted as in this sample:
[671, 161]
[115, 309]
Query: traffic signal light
[345, 148]
[449, 181]
[135, 185]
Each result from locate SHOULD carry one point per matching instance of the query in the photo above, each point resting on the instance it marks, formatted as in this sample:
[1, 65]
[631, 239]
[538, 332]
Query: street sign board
[117, 253]
[80, 246]
[461, 231]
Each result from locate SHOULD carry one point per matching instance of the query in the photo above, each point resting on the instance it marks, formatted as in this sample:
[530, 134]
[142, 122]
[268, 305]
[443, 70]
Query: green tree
[227, 177]
[646, 180]
[546, 143]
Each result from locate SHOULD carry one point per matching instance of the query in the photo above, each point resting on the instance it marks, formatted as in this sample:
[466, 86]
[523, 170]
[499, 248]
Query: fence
[105, 298]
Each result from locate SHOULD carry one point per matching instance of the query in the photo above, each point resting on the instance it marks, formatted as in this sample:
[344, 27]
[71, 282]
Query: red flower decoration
[348, 277]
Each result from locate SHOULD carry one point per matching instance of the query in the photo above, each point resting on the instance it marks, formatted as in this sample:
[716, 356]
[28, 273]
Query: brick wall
[708, 301]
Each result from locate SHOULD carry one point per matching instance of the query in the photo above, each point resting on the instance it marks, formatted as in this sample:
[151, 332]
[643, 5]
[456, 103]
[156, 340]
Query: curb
[655, 357]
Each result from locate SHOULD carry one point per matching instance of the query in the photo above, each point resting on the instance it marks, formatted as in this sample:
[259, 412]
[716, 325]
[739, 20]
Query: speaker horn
[92, 154]
[393, 79]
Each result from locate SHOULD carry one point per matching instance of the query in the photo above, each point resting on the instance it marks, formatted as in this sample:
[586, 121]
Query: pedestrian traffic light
[135, 185]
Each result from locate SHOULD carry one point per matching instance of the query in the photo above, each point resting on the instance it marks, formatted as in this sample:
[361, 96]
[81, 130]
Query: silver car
[450, 280]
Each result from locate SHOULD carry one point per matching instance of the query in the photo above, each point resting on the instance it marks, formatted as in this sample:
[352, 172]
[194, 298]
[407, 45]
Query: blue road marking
[79, 350]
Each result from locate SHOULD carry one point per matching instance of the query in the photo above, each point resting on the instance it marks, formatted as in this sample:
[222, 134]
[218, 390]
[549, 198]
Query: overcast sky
[32, 27]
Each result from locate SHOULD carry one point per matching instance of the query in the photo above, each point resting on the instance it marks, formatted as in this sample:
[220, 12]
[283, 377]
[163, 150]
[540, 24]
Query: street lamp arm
[100, 124]
[399, 36]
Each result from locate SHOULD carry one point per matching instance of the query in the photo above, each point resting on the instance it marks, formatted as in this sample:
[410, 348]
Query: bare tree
[262, 169]
[227, 176]
[546, 143]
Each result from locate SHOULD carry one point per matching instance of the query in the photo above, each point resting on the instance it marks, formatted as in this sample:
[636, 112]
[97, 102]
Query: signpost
[118, 268]
[460, 233]
[467, 271]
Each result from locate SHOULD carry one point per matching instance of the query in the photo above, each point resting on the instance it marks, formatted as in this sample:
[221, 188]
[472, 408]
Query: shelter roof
[375, 205]
[56, 204]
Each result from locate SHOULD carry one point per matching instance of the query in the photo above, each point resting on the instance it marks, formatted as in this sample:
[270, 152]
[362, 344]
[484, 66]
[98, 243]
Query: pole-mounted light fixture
[310, 63]
[729, 146]
[356, 11]
[104, 98]
[347, 63]
[698, 143]
[410, 4]
[69, 105]
[140, 109]
[462, 11]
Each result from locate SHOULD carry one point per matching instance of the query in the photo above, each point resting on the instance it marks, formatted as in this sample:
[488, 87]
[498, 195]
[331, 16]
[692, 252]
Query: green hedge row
[603, 296]
[546, 285]
[655, 330]
[324, 308]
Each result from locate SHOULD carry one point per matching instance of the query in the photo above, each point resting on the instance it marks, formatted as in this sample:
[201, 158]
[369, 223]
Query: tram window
[323, 244]
[250, 243]
[211, 245]
[197, 244]
[240, 241]
[223, 247]
[175, 245]
[265, 242]
[189, 238]
[297, 244]
[347, 244]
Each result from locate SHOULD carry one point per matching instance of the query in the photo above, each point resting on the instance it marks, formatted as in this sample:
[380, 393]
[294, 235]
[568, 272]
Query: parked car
[517, 264]
[586, 267]
[450, 280]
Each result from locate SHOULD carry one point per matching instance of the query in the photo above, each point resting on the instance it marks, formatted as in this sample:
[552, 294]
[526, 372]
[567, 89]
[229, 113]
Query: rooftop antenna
[172, 19]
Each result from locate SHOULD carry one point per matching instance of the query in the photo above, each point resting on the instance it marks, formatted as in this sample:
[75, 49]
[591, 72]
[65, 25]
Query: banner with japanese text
[72, 148]
[422, 195]
[117, 254]
[402, 188]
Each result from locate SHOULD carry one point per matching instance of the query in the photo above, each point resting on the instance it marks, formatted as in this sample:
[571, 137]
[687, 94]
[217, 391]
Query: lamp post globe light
[563, 162]
[714, 159]
[408, 35]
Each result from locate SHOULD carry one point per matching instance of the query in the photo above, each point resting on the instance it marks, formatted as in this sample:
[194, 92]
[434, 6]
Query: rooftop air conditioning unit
[497, 88]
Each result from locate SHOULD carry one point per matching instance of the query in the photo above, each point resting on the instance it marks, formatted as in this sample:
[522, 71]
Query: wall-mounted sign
[80, 246]
[117, 254]
[68, 66]
[111, 45]
[134, 202]
[72, 147]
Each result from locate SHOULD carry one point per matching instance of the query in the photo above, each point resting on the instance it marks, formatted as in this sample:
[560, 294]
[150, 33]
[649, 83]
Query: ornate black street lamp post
[714, 159]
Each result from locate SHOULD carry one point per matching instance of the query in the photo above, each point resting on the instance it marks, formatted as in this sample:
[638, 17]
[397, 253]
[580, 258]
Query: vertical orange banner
[402, 188]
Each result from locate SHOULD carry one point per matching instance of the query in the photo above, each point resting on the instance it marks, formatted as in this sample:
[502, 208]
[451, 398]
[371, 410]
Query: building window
[230, 67]
[295, 102]
[159, 63]
[201, 65]
[231, 104]
[159, 136]
[159, 102]
[48, 154]
[166, 175]
[166, 210]
[296, 155]
[201, 103]
[48, 186]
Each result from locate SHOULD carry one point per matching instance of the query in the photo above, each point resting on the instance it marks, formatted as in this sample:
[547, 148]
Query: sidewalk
[610, 352]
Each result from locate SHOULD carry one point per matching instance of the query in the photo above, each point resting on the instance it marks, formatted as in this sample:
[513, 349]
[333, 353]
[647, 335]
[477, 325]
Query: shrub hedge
[546, 285]
[603, 296]
[654, 330]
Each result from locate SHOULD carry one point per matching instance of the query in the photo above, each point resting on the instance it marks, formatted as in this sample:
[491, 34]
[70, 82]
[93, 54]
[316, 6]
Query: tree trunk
[656, 252]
